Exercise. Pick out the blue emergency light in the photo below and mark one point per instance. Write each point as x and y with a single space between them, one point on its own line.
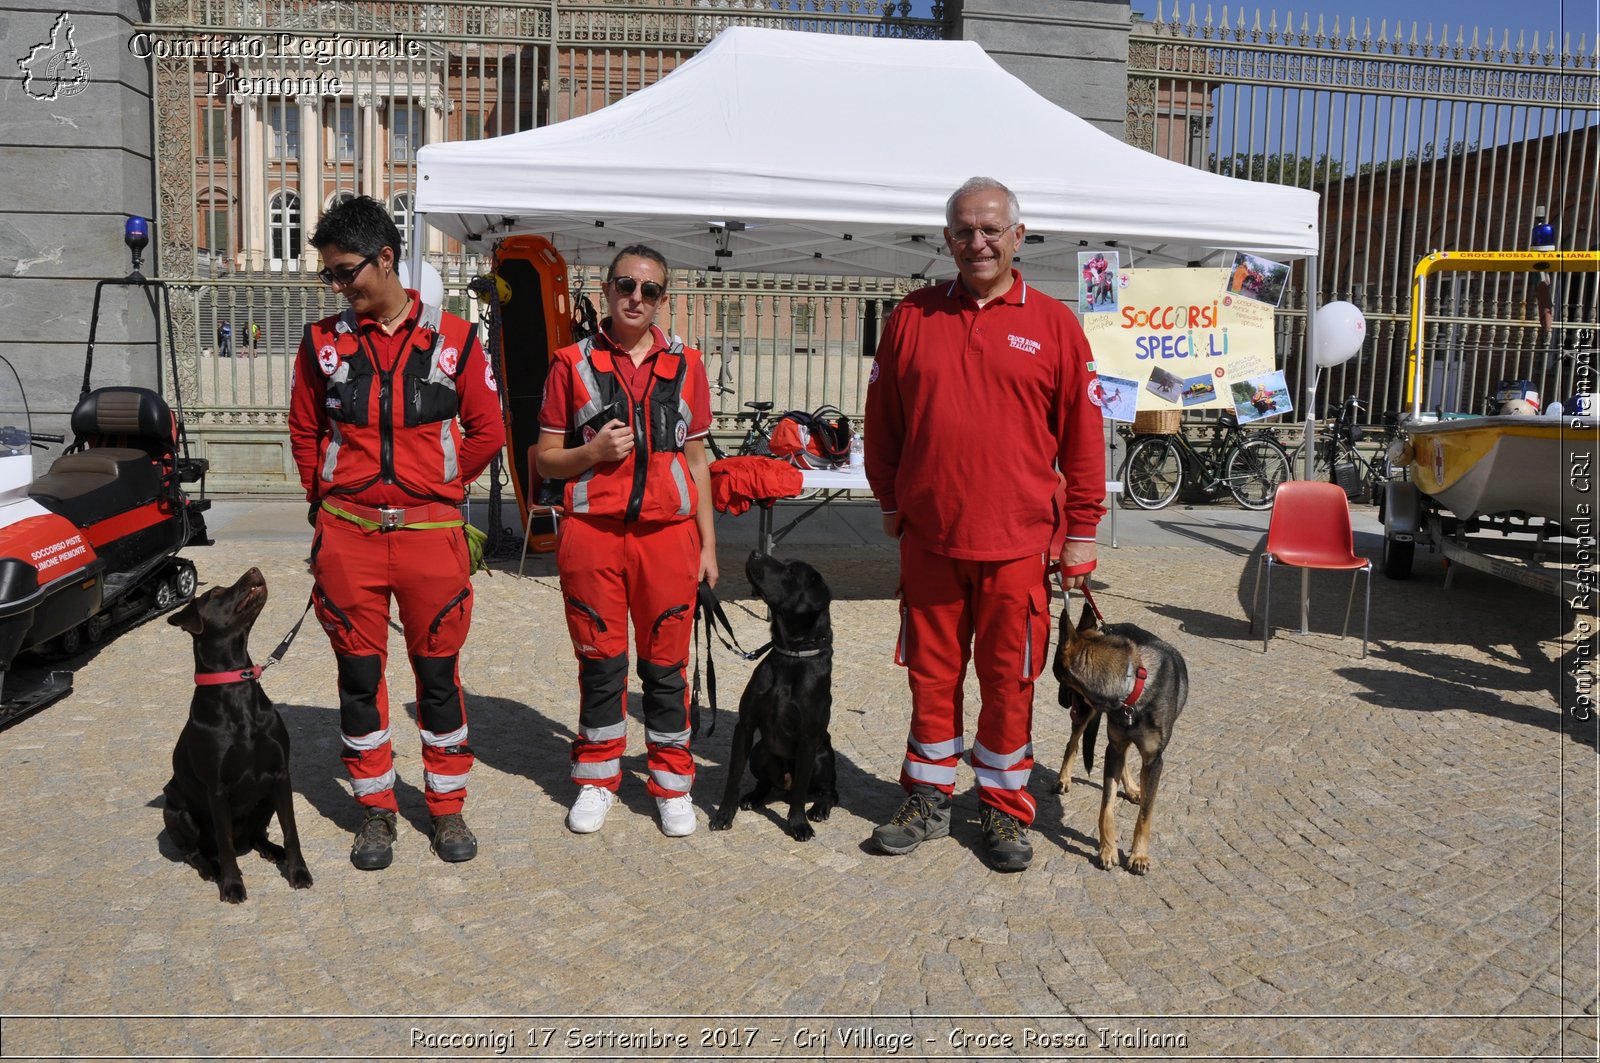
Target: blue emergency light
1544 234
136 234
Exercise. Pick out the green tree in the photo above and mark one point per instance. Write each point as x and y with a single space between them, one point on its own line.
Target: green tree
1279 168
1429 152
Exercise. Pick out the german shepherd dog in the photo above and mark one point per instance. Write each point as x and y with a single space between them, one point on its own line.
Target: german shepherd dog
787 702
1139 683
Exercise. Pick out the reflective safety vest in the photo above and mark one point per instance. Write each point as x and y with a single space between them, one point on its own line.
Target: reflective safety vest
652 483
387 430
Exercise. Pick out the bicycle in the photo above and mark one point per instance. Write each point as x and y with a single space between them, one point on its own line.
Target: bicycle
1338 460
1250 465
756 441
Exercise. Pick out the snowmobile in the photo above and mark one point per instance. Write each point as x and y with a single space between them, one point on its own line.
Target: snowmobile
90 548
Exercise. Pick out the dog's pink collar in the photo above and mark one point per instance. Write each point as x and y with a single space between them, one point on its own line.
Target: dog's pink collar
239 675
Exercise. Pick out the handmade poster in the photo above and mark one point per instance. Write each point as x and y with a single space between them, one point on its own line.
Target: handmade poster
1116 397
1257 278
1263 396
1172 327
1097 288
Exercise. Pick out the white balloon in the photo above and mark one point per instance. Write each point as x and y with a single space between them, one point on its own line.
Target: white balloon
1340 329
432 287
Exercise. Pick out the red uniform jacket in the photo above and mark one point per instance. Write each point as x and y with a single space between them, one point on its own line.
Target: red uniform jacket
392 420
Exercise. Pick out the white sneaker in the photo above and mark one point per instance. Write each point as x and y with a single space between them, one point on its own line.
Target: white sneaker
588 812
677 816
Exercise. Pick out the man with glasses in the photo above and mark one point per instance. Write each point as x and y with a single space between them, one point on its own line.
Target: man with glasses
393 412
983 447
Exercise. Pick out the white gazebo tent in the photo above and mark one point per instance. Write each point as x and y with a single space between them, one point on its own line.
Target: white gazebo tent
774 150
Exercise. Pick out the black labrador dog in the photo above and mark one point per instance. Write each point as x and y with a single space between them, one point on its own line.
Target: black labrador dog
230 768
788 701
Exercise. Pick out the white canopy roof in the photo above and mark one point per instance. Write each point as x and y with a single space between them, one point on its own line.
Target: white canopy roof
814 153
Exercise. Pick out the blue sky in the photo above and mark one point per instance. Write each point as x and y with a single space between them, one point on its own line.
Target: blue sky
1546 16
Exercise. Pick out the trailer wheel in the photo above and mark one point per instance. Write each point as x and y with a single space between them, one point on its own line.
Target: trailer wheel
184 581
69 642
1397 557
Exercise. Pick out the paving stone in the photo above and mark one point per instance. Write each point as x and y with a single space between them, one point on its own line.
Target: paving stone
1336 836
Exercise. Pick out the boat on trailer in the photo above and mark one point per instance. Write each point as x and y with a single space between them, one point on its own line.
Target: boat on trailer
1530 482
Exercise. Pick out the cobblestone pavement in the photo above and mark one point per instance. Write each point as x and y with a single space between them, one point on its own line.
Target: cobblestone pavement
1388 857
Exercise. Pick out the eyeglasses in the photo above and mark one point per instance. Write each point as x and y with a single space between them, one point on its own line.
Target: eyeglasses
649 289
344 275
970 236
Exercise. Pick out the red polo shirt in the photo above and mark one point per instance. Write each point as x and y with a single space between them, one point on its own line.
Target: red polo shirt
971 410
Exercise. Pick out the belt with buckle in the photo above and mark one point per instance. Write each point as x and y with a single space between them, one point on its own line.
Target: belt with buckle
395 518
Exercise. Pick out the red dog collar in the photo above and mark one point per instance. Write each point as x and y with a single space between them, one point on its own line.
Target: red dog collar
213 679
1136 685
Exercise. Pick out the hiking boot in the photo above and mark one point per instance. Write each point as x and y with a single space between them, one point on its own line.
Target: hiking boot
677 816
1005 840
452 840
374 845
588 812
924 814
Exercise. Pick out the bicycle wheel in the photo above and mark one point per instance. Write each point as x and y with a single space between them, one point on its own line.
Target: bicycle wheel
1153 472
1254 470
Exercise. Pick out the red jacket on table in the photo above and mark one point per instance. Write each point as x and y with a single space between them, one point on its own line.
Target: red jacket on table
667 397
971 410
374 418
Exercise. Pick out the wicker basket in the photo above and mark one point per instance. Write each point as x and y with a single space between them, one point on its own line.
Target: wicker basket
1157 422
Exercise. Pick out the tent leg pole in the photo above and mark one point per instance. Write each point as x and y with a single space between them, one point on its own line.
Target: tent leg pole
419 231
1308 454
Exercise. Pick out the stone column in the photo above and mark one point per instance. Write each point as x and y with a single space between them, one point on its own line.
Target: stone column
438 108
254 198
310 169
367 105
1072 52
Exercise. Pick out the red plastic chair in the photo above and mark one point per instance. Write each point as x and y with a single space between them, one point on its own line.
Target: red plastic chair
1311 529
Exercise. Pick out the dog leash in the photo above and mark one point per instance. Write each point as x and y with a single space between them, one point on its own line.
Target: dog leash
249 672
1084 569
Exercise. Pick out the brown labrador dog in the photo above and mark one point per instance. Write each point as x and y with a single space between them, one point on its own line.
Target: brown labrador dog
1139 684
230 768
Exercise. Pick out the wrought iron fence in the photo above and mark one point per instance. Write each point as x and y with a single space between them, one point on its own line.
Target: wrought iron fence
1417 139
268 111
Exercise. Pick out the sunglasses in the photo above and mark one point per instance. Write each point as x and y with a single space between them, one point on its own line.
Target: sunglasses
344 275
649 289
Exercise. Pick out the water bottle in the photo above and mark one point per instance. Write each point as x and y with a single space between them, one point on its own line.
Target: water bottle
857 453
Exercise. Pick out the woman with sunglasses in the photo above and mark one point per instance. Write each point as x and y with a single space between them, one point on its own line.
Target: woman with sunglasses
623 423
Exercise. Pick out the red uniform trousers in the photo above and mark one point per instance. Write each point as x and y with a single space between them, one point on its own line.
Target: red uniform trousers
356 570
997 614
611 572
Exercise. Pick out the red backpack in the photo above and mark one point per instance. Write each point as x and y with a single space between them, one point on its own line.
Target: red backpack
816 440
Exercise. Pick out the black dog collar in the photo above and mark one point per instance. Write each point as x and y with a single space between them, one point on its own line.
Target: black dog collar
813 652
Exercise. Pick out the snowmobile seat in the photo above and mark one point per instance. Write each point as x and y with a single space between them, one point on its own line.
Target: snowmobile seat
119 460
